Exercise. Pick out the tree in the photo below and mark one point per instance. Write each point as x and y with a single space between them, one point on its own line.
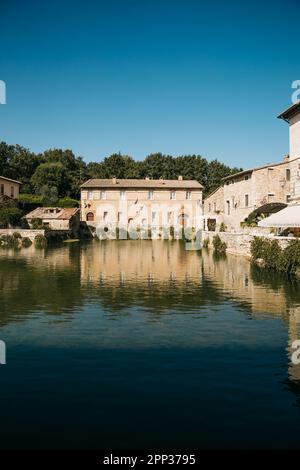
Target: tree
50 175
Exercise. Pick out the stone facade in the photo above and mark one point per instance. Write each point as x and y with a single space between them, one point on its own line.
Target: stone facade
141 203
25 233
56 218
239 242
9 187
243 192
292 117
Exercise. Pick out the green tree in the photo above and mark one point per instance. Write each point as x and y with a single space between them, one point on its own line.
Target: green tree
50 175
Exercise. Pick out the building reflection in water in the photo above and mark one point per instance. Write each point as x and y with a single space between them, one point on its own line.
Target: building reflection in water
158 276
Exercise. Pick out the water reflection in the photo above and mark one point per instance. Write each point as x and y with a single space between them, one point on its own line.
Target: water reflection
154 296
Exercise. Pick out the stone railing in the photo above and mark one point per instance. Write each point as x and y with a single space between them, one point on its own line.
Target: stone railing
23 232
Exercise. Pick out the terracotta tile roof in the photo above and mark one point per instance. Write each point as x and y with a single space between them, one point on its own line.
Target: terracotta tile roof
142 183
9 179
52 213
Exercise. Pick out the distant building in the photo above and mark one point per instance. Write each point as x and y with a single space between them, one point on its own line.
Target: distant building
9 188
56 218
142 202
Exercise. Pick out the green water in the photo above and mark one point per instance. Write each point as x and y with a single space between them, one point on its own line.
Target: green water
144 344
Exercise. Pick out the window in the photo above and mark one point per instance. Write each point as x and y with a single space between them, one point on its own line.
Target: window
2 190
173 195
150 195
209 207
288 198
119 216
122 195
188 195
90 195
246 200
102 194
215 207
228 207
288 174
12 192
153 217
90 217
169 217
105 214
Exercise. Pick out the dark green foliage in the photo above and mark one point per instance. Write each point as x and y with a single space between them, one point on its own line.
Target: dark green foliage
223 227
10 216
219 245
58 173
26 242
68 202
274 257
37 224
40 241
9 241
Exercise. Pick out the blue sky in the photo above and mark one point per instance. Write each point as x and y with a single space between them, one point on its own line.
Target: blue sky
144 76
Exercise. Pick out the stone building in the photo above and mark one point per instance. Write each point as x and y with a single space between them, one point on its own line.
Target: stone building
56 218
292 117
243 192
264 188
9 187
141 203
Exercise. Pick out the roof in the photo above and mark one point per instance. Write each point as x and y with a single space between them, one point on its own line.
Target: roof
213 192
142 183
288 217
10 180
250 170
290 112
58 213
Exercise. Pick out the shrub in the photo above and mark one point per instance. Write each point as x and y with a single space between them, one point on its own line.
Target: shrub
287 260
17 235
219 245
205 243
26 242
37 224
291 257
9 241
40 241
223 227
10 216
68 202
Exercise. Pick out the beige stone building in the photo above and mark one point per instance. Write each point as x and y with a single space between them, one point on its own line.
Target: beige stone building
256 188
141 203
9 187
56 218
292 117
243 192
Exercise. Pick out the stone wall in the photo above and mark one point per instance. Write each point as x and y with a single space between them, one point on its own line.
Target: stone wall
239 242
23 232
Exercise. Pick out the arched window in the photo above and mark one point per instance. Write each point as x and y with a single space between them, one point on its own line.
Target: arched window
90 217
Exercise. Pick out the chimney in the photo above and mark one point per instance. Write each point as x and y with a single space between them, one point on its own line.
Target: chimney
286 158
180 178
114 180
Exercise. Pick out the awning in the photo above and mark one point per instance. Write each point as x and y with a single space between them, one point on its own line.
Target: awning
288 217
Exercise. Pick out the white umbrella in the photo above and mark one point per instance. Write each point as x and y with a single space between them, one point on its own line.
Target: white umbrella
288 217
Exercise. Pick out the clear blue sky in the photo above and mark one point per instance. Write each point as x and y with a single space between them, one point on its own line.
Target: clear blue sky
140 76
